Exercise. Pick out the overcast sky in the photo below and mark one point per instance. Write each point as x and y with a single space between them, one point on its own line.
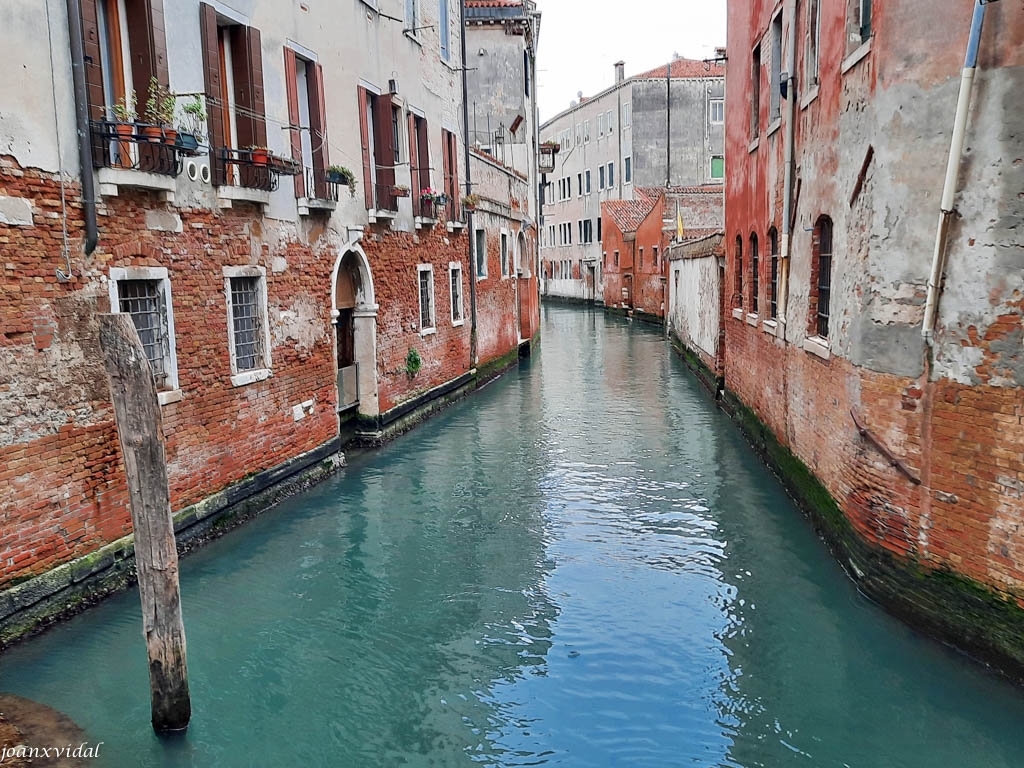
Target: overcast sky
580 40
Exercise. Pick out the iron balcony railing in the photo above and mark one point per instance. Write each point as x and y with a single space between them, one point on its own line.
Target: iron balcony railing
256 168
319 184
138 147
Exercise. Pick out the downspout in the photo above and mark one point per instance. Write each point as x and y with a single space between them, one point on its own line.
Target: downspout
668 126
788 163
952 171
469 189
82 125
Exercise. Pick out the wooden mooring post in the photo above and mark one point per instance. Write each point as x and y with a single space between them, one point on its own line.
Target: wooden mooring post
140 430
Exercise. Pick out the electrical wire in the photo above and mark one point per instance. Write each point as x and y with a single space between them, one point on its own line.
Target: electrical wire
61 274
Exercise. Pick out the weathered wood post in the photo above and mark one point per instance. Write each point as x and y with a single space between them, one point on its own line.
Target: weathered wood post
140 430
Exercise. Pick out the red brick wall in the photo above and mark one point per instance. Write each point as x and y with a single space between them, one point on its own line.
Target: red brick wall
393 258
497 333
648 292
62 488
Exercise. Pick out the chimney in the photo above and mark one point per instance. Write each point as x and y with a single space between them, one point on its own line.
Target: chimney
620 71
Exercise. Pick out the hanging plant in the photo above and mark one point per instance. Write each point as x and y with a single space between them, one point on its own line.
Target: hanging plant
413 362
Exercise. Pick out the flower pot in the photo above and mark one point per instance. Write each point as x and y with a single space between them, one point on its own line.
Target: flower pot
125 132
334 177
399 192
260 156
170 136
187 141
154 134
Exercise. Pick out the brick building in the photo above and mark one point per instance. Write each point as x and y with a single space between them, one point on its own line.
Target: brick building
912 422
633 274
277 205
660 128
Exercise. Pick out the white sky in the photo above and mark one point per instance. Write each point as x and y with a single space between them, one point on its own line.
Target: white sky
580 40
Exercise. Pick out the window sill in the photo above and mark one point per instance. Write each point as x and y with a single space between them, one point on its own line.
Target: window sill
379 214
752 319
250 377
309 204
738 313
427 331
851 61
818 346
455 226
168 397
774 125
811 95
228 195
771 327
110 181
481 278
425 221
754 143
457 323
413 37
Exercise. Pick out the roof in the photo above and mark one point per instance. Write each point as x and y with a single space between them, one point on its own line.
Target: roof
702 189
628 215
494 3
684 68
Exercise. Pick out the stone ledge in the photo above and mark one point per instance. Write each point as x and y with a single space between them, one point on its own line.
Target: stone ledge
110 181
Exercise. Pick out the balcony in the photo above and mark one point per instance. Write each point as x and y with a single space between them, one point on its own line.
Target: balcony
138 156
385 197
250 175
321 191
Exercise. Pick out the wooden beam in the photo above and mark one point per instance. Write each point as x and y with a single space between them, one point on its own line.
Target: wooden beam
140 431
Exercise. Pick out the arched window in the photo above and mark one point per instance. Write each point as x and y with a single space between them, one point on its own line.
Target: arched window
821 277
755 269
738 287
773 243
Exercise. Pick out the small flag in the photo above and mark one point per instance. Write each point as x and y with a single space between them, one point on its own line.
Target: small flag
679 226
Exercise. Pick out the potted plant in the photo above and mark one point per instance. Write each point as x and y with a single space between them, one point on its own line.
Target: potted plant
260 155
190 127
339 174
431 201
470 201
124 126
160 108
399 190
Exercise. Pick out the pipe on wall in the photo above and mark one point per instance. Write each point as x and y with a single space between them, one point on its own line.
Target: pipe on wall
82 125
469 189
788 162
952 171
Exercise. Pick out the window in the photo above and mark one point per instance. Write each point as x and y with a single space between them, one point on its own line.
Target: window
586 132
775 84
411 15
248 333
446 32
600 177
504 254
864 20
755 92
616 258
609 122
657 257
526 73
627 115
450 167
717 167
579 184
716 111
600 125
812 40
821 277
419 166
579 134
568 187
773 244
628 170
611 175
586 175
145 294
425 275
737 296
396 134
377 126
579 227
481 254
307 123
755 270
641 257
599 229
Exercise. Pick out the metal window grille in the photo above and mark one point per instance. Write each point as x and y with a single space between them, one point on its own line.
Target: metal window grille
456 275
143 300
246 322
426 300
773 238
824 276
755 268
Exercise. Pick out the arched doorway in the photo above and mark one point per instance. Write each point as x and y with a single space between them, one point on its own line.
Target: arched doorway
354 314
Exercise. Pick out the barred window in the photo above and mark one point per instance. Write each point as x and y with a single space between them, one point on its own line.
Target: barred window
455 274
824 274
773 242
738 290
755 269
143 300
426 285
246 322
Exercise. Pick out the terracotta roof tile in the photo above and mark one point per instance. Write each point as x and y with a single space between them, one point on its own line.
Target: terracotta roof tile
684 68
493 3
628 215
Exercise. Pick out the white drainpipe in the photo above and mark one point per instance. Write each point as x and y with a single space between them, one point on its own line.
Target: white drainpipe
952 171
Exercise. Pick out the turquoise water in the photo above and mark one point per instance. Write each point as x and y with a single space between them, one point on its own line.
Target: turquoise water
583 564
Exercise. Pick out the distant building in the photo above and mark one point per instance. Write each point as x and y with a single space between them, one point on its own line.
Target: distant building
662 128
902 394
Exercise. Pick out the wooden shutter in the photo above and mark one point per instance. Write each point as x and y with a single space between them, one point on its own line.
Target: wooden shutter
318 128
383 144
423 152
148 44
364 133
294 134
446 165
250 122
453 152
93 76
212 86
414 162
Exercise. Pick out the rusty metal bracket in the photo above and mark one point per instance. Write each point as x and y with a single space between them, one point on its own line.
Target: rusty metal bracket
894 460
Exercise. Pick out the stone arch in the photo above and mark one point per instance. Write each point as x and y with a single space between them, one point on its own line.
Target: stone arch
522 255
354 317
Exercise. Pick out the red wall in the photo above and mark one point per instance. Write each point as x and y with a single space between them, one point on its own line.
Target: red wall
648 293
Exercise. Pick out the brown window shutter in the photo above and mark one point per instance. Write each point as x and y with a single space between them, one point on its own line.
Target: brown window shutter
414 163
383 147
423 153
148 43
453 160
318 129
212 87
250 121
446 168
364 133
93 76
259 107
294 135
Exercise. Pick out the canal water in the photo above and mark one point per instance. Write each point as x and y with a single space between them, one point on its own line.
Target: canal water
584 564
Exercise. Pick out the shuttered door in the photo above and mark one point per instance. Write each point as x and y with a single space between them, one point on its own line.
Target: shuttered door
414 164
212 85
423 153
318 128
294 134
364 133
383 144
